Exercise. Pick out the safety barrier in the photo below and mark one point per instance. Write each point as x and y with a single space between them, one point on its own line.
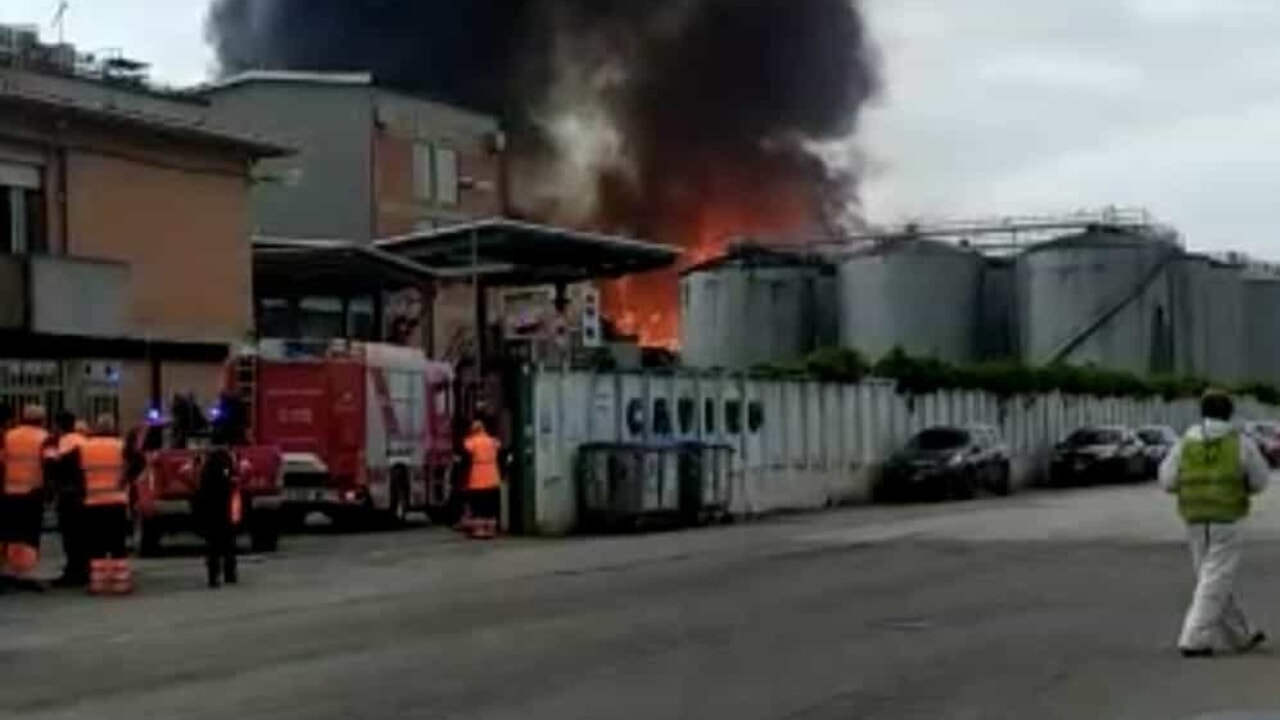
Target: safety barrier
796 445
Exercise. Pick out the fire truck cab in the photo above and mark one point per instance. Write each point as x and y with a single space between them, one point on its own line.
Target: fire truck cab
365 429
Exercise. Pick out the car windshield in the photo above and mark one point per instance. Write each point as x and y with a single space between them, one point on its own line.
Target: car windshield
939 439
1154 436
1094 436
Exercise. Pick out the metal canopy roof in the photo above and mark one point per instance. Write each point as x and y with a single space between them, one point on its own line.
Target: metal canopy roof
341 267
535 254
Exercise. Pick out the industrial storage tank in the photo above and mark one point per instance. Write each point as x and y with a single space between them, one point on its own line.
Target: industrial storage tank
1262 326
1101 297
998 310
920 295
755 306
1210 311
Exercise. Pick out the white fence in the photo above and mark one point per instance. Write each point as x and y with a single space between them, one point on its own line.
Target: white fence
798 445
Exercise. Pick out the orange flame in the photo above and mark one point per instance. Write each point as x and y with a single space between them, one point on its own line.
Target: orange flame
647 306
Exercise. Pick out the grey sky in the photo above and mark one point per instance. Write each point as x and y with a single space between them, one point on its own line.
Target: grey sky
993 107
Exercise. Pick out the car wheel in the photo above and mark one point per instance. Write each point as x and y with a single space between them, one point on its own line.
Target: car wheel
965 485
1004 480
264 531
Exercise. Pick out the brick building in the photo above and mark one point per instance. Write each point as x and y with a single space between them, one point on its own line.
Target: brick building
125 251
370 163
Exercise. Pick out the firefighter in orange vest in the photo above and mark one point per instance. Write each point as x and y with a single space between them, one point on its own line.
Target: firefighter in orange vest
106 509
26 451
483 481
68 482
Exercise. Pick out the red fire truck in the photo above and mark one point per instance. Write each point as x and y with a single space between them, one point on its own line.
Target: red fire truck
366 430
168 478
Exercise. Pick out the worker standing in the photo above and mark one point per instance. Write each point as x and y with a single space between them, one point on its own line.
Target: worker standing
106 509
218 510
26 450
68 481
483 482
1213 471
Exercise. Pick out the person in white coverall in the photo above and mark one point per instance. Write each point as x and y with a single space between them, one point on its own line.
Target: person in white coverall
1213 471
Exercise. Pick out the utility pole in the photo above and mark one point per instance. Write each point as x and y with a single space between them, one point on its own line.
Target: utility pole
60 20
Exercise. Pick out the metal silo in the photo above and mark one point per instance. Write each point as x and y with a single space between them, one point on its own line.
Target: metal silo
1103 297
1262 326
920 295
755 306
998 310
1211 320
1224 313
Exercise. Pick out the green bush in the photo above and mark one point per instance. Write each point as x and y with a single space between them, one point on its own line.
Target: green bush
1262 392
921 376
827 365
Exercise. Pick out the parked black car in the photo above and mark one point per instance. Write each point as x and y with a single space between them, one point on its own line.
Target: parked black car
1094 455
947 463
1157 441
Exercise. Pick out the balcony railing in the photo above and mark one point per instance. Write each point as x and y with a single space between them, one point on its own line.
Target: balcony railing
64 296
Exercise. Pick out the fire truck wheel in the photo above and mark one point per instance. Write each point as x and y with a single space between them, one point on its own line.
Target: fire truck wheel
264 531
146 537
292 521
441 515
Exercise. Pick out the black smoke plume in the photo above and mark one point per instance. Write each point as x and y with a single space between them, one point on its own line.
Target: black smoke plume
703 96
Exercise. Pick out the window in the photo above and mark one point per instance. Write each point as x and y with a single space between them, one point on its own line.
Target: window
435 174
360 316
446 177
939 439
423 175
709 416
321 318
22 212
276 318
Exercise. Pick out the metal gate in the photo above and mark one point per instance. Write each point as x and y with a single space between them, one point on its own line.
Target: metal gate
88 388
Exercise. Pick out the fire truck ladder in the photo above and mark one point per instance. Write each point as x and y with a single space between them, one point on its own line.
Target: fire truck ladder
247 384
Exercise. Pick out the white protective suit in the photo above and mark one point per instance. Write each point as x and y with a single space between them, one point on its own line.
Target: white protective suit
1216 619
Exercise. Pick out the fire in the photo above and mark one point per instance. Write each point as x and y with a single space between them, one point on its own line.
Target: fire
647 306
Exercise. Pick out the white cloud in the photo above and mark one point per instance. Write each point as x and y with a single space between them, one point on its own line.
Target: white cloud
1030 106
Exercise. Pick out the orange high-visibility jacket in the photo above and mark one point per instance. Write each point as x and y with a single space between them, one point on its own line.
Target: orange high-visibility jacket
24 454
69 443
484 461
102 460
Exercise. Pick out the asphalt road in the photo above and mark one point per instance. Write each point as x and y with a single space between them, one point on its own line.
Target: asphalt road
1061 605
